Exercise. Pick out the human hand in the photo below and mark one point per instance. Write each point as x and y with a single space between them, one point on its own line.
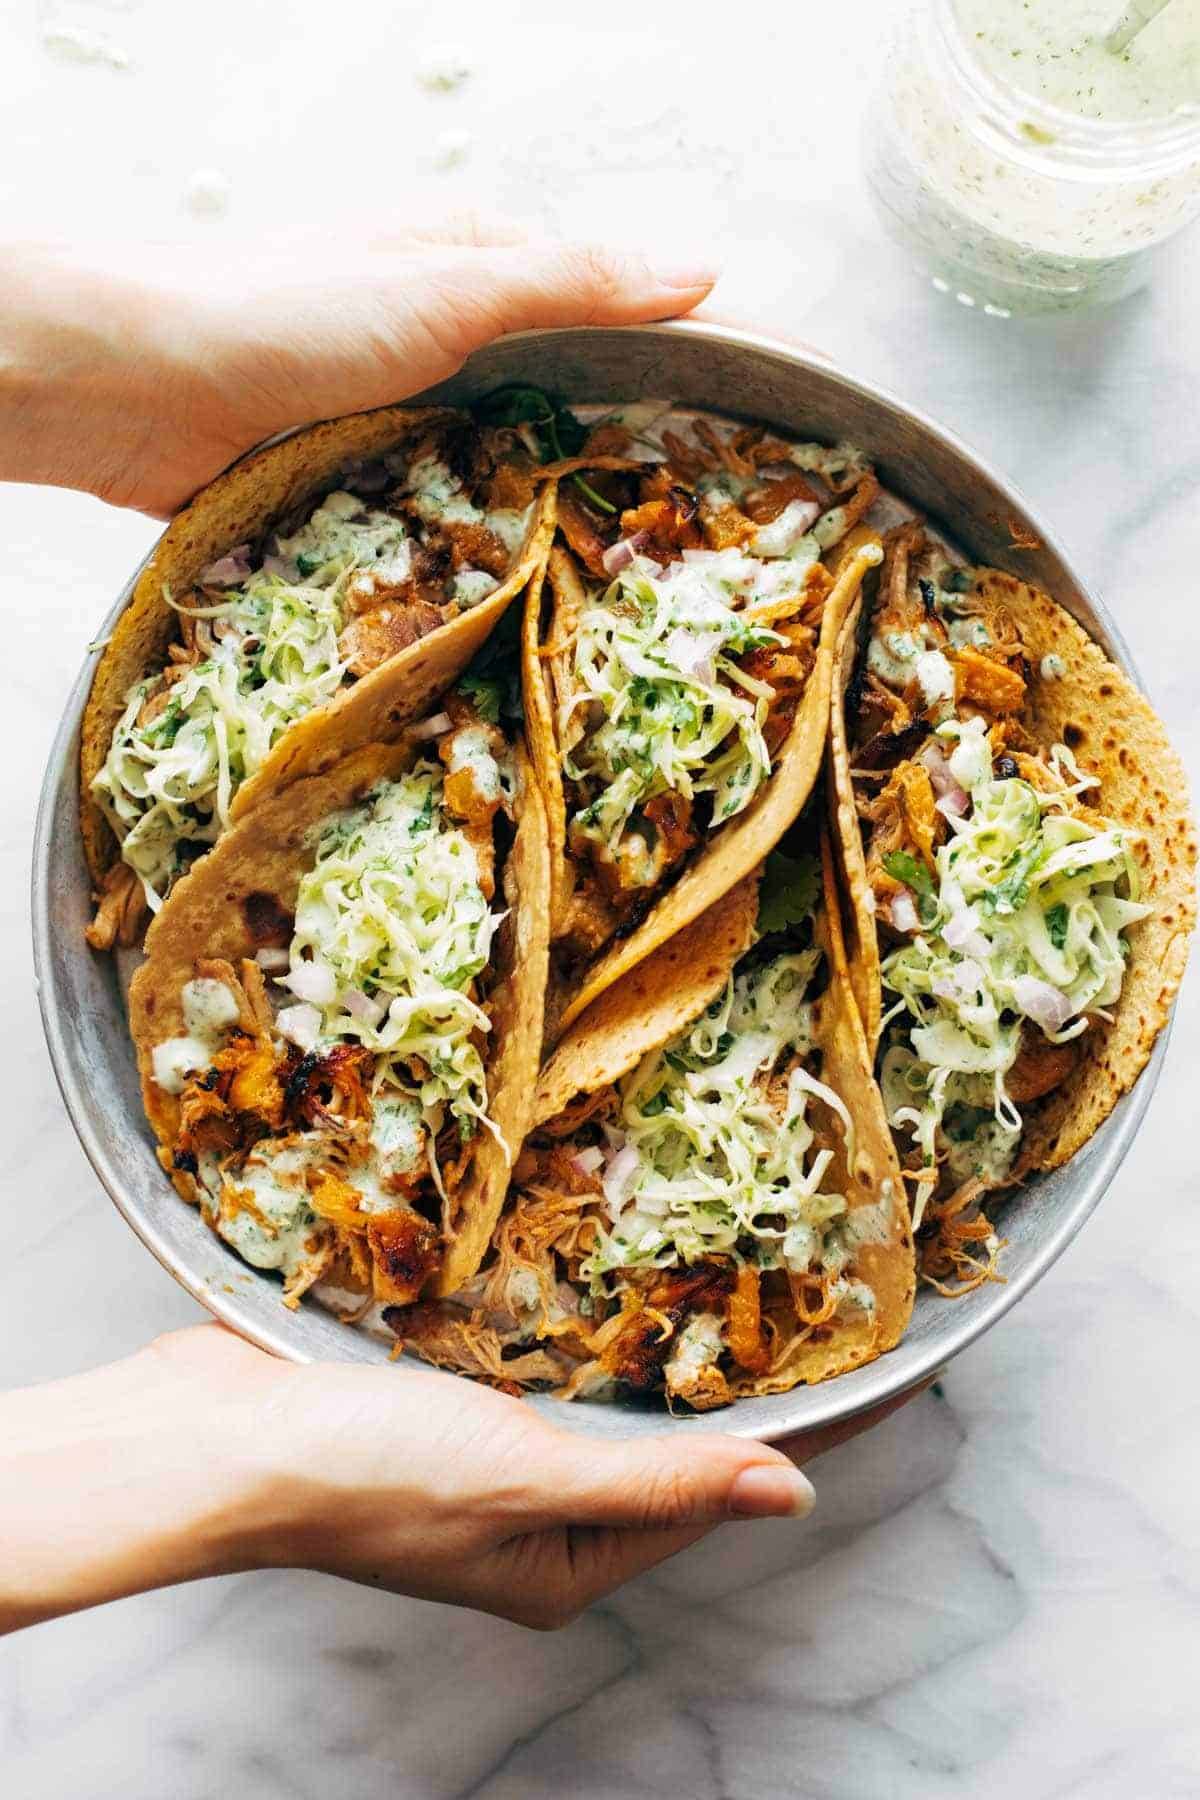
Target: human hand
140 384
430 1485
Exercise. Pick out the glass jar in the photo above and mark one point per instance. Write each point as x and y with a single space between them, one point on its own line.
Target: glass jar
1015 203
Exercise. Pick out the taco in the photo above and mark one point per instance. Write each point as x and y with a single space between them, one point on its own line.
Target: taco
280 617
716 1210
678 660
1018 855
340 1013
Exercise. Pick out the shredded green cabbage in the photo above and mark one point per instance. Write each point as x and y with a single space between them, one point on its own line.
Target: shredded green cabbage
392 928
653 662
167 784
705 1167
169 781
1035 897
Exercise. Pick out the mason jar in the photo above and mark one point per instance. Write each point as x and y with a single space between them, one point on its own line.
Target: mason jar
1034 179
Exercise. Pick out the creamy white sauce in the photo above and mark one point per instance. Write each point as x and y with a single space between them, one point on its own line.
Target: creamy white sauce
344 528
510 526
209 1009
470 748
1056 52
399 1135
935 677
473 585
173 1061
697 1347
436 494
275 1178
783 534
892 655
968 630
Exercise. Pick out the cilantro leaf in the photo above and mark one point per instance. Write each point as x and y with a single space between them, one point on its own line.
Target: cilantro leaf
789 891
485 695
559 432
492 679
902 866
1056 924
1010 895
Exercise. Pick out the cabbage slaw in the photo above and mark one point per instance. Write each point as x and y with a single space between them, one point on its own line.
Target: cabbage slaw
170 779
392 927
653 661
1022 930
700 1162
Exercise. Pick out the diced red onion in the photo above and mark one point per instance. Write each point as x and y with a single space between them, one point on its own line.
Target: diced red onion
618 556
430 728
313 981
903 912
619 1178
361 1006
282 566
299 1025
1047 1006
952 798
589 1160
272 961
961 933
228 570
692 654
963 980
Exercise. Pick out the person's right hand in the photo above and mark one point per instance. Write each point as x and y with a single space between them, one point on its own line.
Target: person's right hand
431 1485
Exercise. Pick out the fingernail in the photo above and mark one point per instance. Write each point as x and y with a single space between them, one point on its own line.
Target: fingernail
687 273
769 1491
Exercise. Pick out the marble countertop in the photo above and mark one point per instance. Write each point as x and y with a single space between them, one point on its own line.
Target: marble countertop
1000 1590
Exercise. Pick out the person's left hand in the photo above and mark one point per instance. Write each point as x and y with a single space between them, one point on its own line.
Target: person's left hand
141 386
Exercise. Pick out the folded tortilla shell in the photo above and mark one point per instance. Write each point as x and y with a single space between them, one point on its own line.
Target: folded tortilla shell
1097 712
862 939
240 505
670 989
866 1172
652 1004
738 847
244 894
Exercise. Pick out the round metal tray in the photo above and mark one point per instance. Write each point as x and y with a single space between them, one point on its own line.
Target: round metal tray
693 364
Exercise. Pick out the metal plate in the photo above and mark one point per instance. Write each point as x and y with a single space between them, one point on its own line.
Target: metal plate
699 365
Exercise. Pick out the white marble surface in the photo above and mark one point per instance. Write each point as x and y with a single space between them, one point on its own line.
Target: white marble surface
1000 1592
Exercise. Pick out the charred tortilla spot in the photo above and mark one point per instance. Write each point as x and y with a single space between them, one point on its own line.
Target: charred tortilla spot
1073 736
299 1080
267 922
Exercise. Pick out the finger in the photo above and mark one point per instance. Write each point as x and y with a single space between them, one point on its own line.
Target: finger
465 299
665 1483
809 1444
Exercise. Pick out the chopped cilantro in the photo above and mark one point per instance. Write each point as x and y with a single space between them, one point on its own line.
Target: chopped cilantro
484 695
902 866
1056 924
789 890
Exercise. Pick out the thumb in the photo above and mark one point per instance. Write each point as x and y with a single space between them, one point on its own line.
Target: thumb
665 1482
455 299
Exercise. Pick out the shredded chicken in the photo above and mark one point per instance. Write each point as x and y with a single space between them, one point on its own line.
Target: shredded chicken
120 909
